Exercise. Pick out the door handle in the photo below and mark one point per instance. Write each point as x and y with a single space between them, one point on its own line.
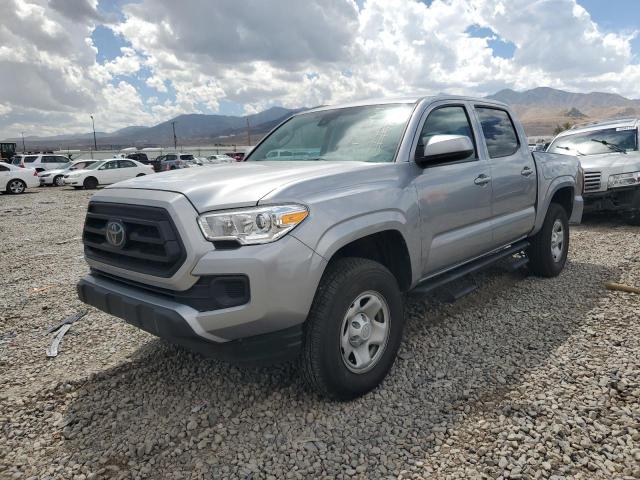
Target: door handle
482 179
526 171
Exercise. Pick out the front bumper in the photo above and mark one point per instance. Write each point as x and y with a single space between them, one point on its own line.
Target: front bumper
622 200
173 322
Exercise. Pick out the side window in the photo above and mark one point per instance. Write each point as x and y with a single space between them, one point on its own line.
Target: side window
499 132
3 168
110 165
48 159
451 120
126 164
171 157
61 159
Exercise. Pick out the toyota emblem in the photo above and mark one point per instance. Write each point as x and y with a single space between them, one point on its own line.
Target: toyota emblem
116 236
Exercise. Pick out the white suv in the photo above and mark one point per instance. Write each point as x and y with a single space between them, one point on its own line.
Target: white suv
45 161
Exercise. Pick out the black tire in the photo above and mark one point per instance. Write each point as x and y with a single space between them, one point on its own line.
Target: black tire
77 188
16 186
541 258
58 181
323 366
90 183
633 218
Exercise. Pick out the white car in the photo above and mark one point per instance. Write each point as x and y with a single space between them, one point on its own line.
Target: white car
106 172
218 159
15 179
56 177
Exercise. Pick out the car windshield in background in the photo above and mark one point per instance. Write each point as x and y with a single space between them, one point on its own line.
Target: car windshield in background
366 134
93 166
596 142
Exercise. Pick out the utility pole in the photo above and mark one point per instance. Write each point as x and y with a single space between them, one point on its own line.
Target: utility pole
95 143
248 133
175 140
24 150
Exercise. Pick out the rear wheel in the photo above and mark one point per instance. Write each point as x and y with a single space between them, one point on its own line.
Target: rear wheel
354 329
90 183
16 186
58 181
549 247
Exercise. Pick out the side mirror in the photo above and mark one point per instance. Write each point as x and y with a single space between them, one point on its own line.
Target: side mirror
445 148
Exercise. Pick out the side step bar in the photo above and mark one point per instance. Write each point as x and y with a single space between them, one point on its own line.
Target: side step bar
430 284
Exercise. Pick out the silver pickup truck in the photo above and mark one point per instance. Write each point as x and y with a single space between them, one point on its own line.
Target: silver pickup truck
310 256
609 154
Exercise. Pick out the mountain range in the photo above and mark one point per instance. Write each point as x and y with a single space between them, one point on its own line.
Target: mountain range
541 110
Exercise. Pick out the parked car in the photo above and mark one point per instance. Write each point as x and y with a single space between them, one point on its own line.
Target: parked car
41 162
609 155
237 156
174 161
106 172
56 177
140 157
17 159
268 260
15 179
219 159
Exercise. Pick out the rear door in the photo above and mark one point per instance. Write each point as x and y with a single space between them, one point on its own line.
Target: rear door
454 197
4 177
513 175
126 170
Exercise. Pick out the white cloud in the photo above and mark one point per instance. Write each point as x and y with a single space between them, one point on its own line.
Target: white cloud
197 54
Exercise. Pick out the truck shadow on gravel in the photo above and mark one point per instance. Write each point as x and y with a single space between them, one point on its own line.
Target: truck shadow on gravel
170 410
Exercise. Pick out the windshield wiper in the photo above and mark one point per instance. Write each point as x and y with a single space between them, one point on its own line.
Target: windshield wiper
570 149
612 146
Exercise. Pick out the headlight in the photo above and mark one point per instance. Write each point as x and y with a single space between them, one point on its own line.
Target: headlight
624 180
251 226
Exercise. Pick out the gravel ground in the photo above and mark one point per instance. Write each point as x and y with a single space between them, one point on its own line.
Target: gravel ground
524 378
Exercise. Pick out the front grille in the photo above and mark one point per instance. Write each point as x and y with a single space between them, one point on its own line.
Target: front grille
152 244
212 292
592 181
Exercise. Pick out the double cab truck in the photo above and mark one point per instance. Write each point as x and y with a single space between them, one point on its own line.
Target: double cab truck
608 153
310 257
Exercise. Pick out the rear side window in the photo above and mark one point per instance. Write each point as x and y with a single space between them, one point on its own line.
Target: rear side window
499 132
171 157
30 159
186 157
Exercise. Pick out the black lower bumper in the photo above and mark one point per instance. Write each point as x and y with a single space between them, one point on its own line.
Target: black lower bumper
623 200
170 325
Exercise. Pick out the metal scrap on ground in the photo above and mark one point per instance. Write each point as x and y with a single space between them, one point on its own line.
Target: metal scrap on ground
622 288
52 350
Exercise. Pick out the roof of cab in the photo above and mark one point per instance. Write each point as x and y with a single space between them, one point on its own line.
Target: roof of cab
610 123
407 100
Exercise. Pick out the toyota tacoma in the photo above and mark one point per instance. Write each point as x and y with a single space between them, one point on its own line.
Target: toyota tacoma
310 256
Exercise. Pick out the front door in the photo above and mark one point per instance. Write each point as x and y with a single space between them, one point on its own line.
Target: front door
513 174
454 197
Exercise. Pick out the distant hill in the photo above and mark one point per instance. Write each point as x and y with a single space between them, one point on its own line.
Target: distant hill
542 109
192 129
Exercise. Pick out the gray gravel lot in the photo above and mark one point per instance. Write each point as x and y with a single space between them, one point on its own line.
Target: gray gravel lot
524 378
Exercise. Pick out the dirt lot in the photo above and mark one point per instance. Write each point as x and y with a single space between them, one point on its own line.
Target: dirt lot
524 378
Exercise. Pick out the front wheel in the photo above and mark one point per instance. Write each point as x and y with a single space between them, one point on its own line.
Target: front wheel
90 183
354 329
58 181
549 247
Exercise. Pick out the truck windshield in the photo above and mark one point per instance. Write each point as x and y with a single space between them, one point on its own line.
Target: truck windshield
596 142
365 134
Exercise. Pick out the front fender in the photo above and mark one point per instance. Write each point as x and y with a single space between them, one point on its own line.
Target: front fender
350 229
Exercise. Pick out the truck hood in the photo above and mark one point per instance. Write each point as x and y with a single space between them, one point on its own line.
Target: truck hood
239 184
616 162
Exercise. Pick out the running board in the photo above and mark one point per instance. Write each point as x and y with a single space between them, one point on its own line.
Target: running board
431 284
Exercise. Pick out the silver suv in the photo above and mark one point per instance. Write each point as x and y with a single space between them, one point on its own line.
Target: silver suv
311 256
609 155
